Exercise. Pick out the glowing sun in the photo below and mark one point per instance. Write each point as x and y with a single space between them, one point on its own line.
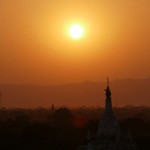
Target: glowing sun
76 31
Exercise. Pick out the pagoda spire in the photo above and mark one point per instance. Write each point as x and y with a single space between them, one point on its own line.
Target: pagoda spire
108 135
108 92
108 113
108 81
52 109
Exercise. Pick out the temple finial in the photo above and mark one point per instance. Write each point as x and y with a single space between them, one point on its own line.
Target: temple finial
107 81
108 92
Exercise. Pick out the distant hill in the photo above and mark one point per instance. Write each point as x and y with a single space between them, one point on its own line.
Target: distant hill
124 92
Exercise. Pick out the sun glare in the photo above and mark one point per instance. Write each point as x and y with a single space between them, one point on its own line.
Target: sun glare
76 31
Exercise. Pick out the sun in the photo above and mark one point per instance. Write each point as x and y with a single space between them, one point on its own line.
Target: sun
76 31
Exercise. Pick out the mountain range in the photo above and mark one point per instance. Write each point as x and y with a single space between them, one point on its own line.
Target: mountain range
124 92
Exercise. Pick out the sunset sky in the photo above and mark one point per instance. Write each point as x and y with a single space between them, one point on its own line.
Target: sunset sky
36 48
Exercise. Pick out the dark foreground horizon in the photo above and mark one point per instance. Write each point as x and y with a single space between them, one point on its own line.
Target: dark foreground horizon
61 128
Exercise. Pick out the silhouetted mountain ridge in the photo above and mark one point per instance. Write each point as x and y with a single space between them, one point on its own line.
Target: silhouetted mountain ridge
87 93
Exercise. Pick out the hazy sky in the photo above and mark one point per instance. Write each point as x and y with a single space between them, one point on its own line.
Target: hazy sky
35 47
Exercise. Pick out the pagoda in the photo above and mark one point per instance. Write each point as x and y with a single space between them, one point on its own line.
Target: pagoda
108 135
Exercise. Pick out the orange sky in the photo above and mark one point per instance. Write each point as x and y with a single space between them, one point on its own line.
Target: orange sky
35 47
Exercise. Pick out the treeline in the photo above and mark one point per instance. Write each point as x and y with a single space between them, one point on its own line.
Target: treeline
65 129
